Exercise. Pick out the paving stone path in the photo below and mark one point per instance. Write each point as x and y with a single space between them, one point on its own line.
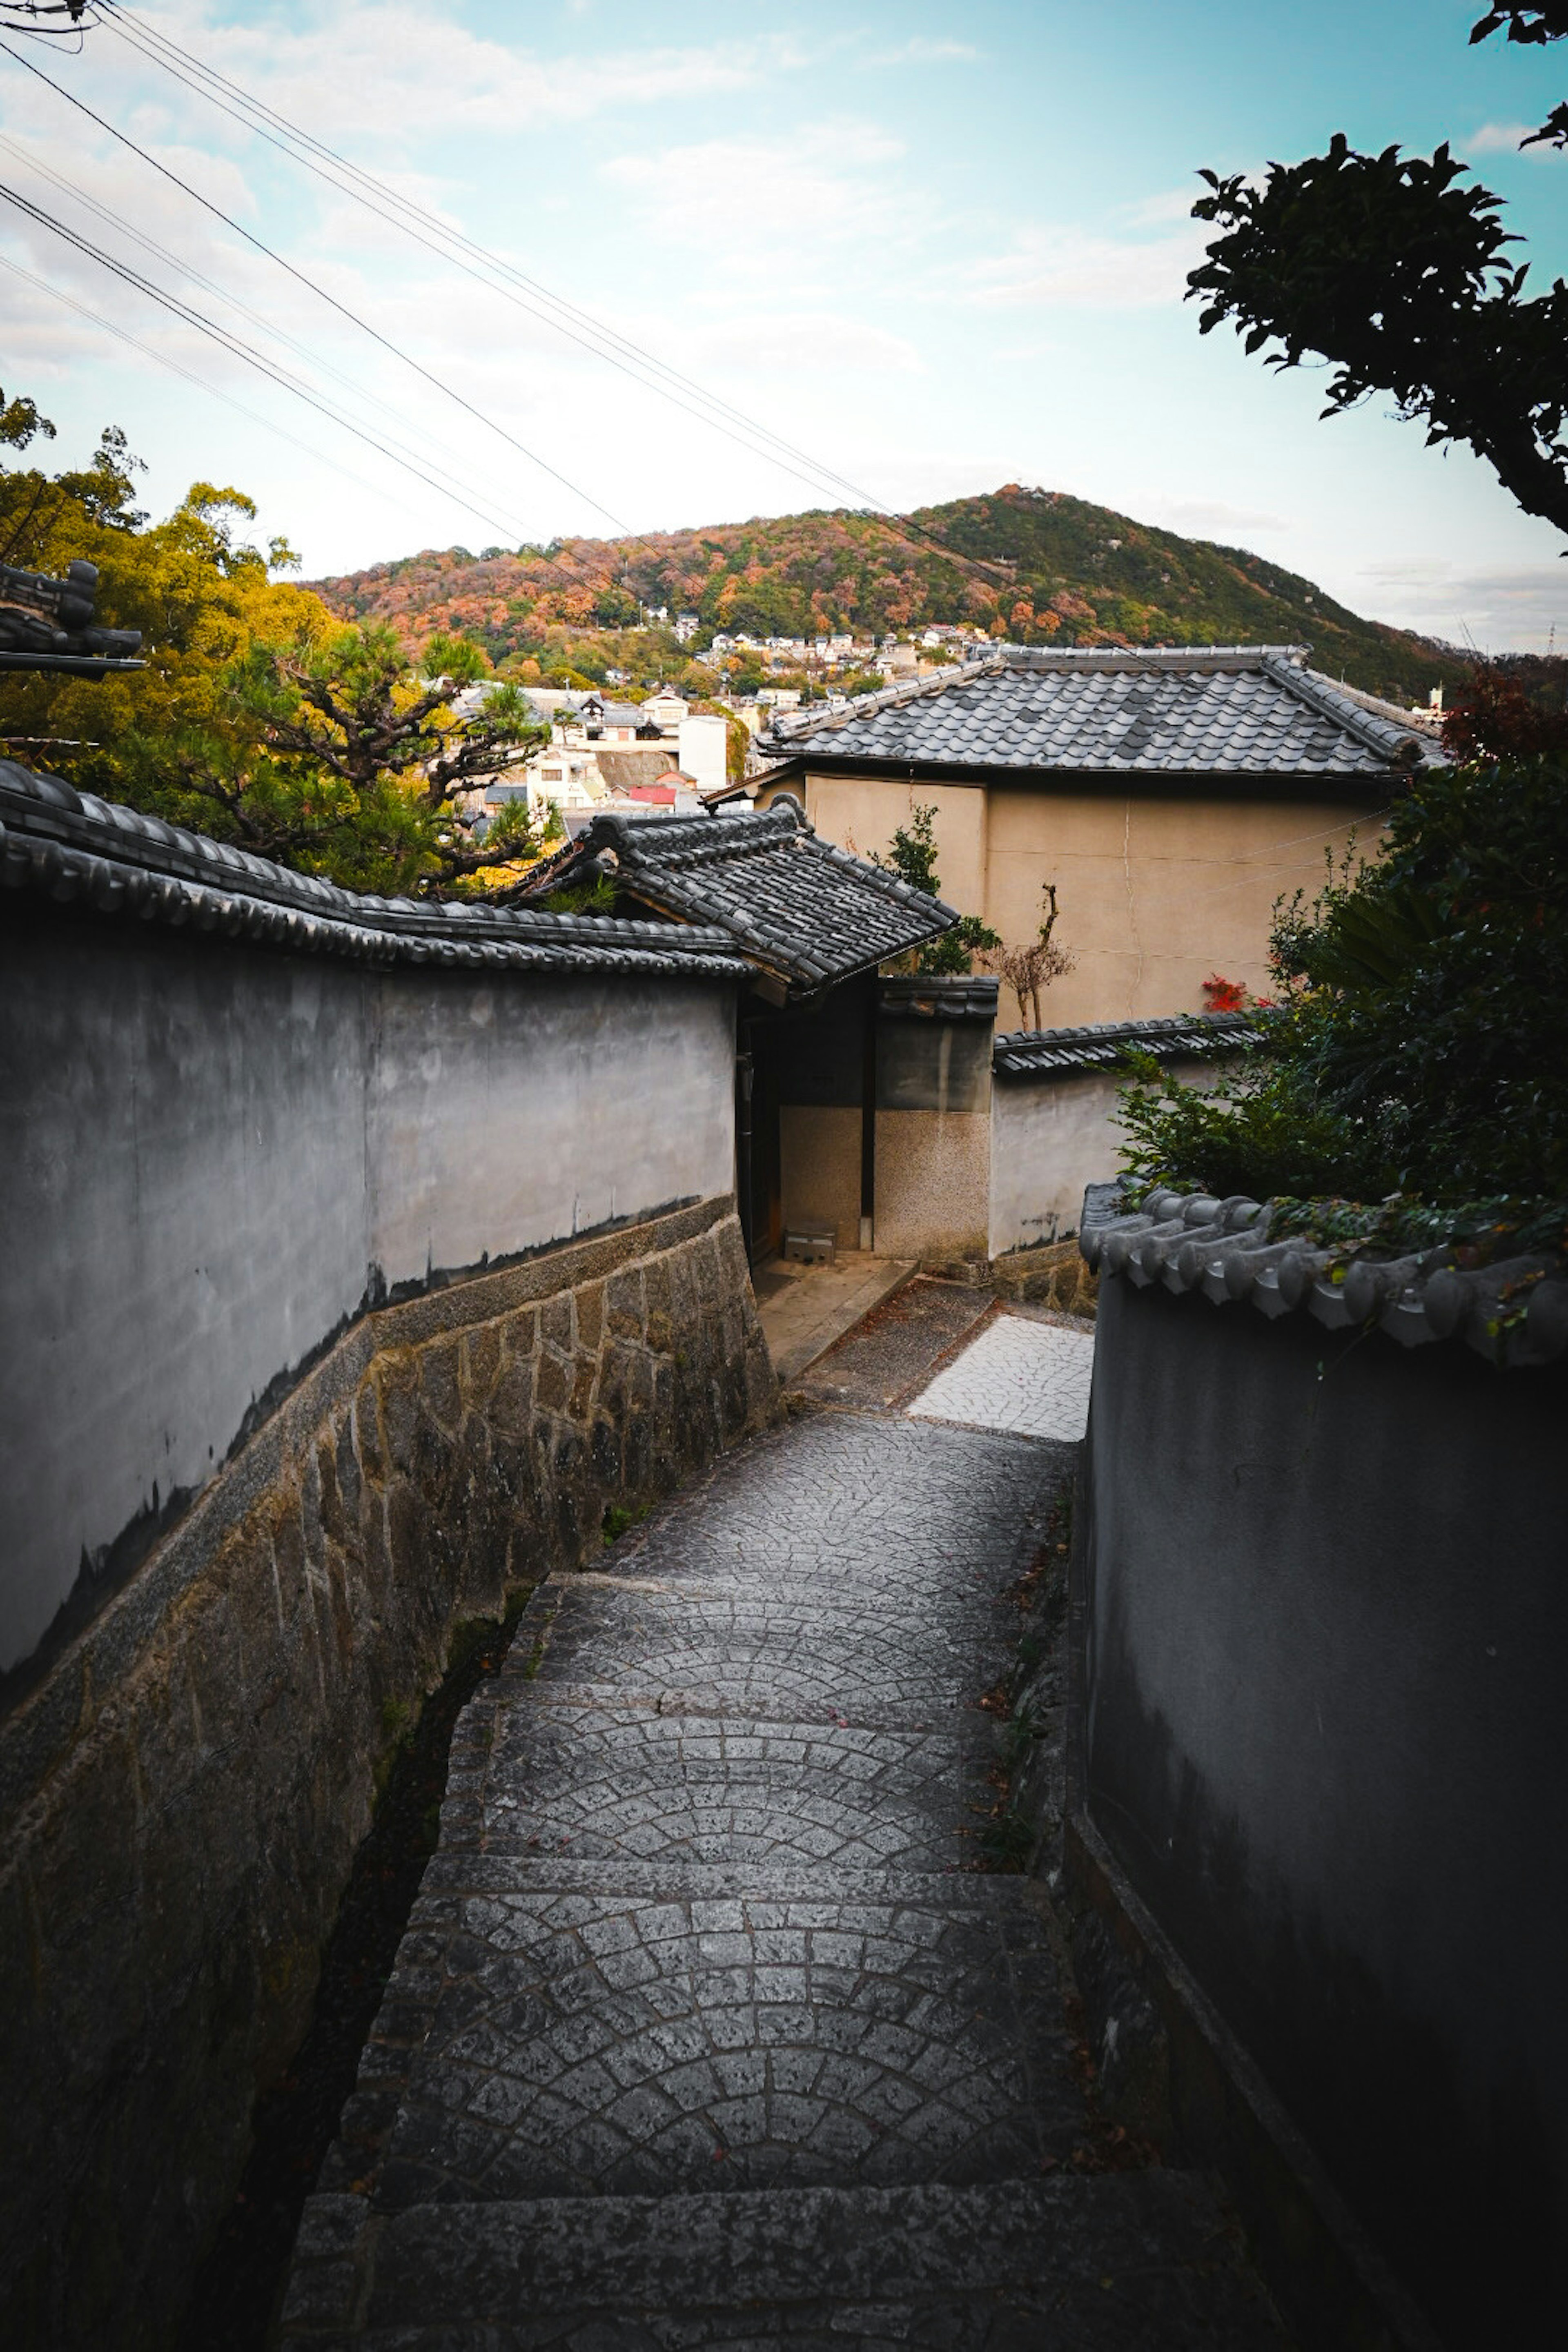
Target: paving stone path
705 2031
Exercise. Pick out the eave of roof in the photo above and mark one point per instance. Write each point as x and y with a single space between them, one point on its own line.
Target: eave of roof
72 847
1049 1053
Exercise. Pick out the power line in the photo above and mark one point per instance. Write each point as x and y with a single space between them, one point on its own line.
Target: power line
231 343
905 527
453 244
176 261
160 50
151 350
319 291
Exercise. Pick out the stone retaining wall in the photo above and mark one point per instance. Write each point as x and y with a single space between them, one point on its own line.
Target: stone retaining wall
181 1798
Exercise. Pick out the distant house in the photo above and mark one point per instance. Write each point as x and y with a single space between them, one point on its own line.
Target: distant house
664 708
1171 796
605 721
686 627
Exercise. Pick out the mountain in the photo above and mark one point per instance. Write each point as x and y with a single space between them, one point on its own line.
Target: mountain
1035 566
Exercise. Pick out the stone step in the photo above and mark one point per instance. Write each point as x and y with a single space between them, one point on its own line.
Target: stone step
556 2028
689 1648
635 1784
1137 2262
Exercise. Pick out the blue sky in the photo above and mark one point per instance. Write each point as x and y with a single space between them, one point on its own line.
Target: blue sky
937 248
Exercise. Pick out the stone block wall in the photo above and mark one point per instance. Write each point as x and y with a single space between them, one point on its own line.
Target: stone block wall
182 1795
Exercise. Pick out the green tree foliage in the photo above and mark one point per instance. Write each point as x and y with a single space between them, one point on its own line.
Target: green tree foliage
911 855
335 758
259 718
1421 1044
1404 281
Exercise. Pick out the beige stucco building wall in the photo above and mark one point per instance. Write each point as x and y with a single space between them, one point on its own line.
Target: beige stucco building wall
1157 889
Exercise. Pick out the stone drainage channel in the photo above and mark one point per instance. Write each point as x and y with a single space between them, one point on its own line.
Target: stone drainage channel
706 2030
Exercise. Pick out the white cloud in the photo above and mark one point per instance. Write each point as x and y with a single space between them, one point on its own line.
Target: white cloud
1494 608
1159 211
797 342
1507 138
390 68
921 51
1085 269
1204 518
831 186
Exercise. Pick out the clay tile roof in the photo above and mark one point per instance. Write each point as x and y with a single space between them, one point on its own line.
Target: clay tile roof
72 847
1226 1249
1061 1052
1190 710
796 905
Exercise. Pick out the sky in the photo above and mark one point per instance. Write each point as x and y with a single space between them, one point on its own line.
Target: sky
932 249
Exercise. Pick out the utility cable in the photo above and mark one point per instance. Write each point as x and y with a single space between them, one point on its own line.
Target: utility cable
319 291
232 343
161 50
150 41
177 262
175 367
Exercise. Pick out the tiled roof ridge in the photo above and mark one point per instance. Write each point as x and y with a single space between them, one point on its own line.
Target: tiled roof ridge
1046 1053
883 697
1192 1242
692 841
75 847
1427 724
1401 746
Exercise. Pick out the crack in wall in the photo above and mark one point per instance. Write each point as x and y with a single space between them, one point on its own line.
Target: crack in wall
1132 910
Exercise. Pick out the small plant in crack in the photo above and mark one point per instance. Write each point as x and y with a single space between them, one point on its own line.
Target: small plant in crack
1022 1728
1007 1840
618 1517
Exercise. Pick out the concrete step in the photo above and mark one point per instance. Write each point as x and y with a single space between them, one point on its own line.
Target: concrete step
1141 2262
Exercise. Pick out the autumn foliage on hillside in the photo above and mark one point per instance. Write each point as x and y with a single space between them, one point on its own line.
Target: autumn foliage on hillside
1034 567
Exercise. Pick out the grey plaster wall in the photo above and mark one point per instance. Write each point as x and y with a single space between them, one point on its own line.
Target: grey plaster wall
215 1154
1327 1615
1049 1140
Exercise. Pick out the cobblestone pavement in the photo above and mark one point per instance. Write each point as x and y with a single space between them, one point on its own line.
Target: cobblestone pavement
706 2033
1017 1374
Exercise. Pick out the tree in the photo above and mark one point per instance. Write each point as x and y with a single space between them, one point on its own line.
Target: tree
258 718
1029 970
341 760
911 855
1403 280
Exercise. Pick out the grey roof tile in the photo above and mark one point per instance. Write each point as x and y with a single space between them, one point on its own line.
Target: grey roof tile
74 847
1190 1242
1196 709
1061 1052
803 907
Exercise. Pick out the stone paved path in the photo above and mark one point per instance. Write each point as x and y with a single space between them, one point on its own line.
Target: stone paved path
1020 1375
705 2031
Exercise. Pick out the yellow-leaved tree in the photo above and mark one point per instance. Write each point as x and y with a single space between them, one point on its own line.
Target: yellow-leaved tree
259 718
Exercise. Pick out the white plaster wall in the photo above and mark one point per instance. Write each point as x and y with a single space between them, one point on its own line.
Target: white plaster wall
501 1118
213 1151
1048 1140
